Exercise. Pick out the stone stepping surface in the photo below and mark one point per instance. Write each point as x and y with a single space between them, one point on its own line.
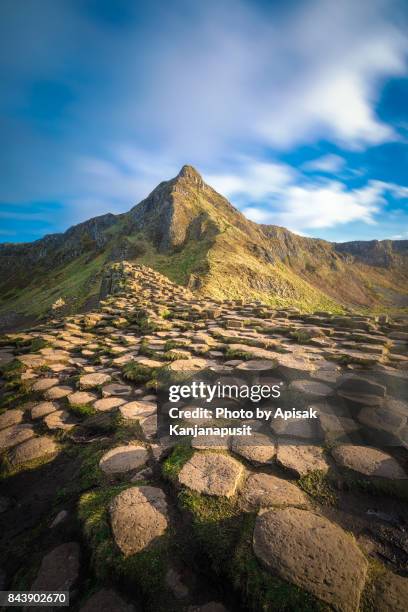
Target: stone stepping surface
259 449
60 419
82 397
311 552
123 459
265 490
300 458
57 392
11 417
108 403
90 381
211 474
370 462
16 434
59 569
139 515
34 448
44 384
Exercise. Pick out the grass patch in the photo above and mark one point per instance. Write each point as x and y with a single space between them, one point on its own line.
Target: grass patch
216 522
173 464
138 373
317 485
82 410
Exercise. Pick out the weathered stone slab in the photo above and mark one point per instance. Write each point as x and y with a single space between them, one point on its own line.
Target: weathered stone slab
299 457
45 383
11 417
257 448
58 392
138 516
123 459
264 490
11 436
368 461
82 397
90 381
311 552
59 570
211 474
108 403
35 448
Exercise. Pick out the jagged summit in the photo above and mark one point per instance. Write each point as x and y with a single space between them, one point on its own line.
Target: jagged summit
189 172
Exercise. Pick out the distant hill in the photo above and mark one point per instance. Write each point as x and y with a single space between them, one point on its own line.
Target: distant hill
193 235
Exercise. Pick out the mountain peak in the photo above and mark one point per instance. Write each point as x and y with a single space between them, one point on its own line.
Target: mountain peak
189 172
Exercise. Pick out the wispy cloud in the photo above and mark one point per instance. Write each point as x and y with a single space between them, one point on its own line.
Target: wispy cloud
330 164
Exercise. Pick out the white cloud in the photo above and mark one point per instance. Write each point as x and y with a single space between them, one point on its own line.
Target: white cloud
330 164
277 195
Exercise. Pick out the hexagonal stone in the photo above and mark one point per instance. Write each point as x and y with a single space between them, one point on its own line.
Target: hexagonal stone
11 417
59 570
311 552
298 428
81 397
60 419
377 417
310 389
257 365
390 593
43 409
108 403
35 448
264 490
117 389
11 436
300 458
194 364
292 367
368 461
361 390
138 517
138 410
257 448
106 600
90 381
32 361
45 383
211 474
58 392
123 459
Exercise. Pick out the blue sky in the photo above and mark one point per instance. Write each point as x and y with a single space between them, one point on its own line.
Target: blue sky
296 111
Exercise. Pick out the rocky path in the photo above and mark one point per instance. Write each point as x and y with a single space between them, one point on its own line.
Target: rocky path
313 516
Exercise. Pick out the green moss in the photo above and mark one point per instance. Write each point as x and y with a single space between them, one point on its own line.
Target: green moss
82 410
216 522
317 485
137 373
173 464
12 369
236 354
37 344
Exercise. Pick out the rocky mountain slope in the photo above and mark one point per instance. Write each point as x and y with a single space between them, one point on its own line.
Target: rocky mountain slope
187 231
